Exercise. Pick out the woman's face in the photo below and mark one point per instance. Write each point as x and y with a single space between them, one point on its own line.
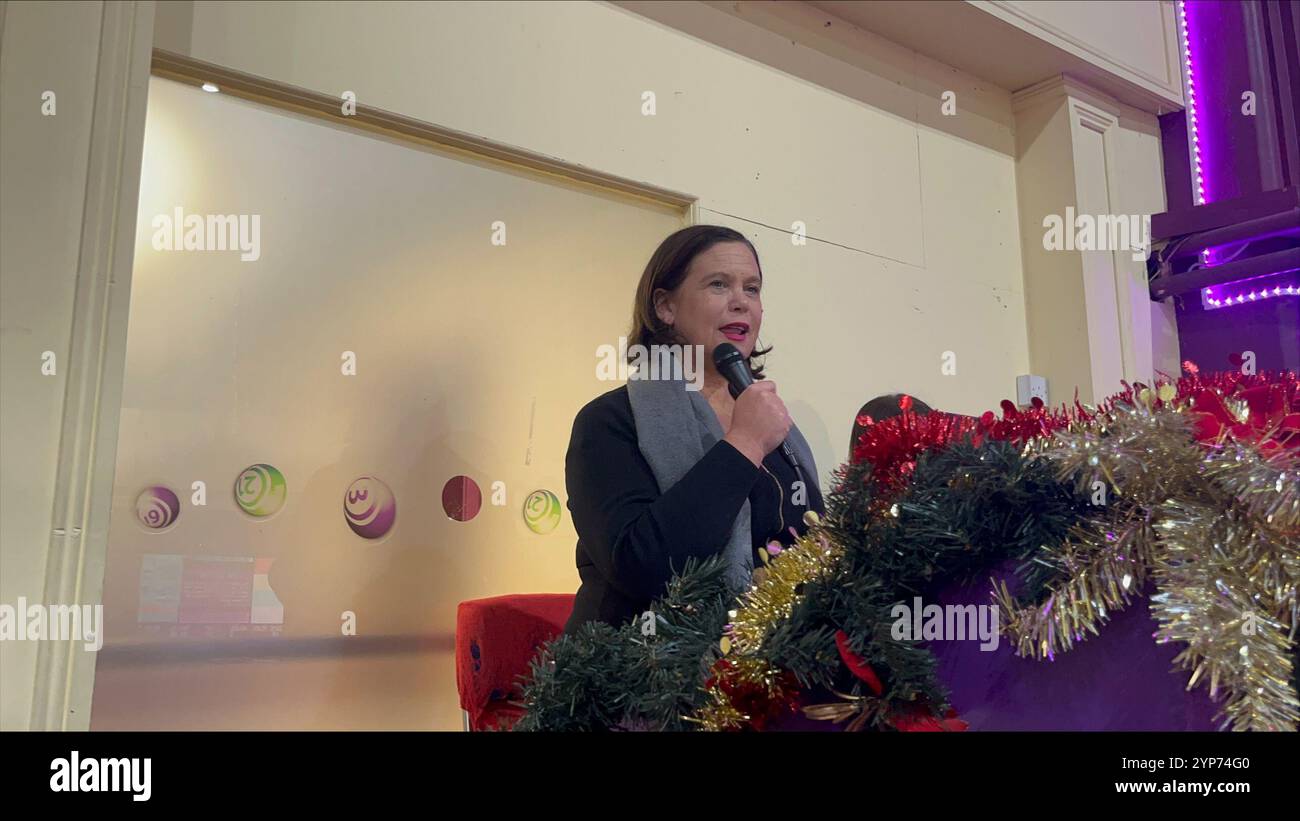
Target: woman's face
718 301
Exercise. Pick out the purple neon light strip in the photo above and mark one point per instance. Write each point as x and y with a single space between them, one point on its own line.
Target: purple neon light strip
1194 127
1241 292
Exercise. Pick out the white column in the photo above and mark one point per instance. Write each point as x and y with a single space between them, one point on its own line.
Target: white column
71 177
1081 153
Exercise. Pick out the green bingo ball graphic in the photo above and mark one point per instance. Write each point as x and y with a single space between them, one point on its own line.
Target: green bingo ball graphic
542 511
260 490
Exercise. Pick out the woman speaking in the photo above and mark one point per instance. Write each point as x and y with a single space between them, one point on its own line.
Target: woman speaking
657 473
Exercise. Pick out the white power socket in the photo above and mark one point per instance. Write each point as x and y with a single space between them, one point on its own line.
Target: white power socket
1029 386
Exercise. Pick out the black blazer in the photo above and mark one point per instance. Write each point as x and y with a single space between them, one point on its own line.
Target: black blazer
632 538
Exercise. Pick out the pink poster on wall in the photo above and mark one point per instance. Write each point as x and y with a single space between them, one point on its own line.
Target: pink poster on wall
208 596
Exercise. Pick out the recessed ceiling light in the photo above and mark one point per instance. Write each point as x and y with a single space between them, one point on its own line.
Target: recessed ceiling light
211 88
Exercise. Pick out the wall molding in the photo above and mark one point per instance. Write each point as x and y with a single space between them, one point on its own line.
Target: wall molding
190 71
1093 117
1062 86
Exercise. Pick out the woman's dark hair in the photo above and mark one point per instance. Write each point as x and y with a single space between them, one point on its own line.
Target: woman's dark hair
883 407
666 269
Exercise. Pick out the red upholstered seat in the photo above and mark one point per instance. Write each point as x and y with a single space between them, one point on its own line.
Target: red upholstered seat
495 640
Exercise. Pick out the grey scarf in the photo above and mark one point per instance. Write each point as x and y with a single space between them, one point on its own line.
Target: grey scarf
674 429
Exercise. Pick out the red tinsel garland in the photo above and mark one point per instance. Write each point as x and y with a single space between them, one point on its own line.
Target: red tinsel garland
893 445
757 702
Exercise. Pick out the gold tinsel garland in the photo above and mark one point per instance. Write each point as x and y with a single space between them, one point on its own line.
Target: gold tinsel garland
768 603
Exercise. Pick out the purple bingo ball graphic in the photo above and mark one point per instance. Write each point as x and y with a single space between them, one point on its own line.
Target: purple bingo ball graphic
369 507
157 507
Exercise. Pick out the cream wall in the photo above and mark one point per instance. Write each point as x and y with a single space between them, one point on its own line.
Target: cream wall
912 248
471 359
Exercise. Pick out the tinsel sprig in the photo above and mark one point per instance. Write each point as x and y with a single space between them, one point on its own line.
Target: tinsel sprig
1227 592
1267 487
1104 565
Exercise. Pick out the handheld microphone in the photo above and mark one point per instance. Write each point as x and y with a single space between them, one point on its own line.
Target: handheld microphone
733 367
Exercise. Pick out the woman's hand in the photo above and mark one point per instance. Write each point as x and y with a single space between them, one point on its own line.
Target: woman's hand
759 422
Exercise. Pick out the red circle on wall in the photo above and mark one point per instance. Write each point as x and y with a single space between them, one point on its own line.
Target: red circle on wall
461 498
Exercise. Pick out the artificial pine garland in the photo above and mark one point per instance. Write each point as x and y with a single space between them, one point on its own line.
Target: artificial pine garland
643 675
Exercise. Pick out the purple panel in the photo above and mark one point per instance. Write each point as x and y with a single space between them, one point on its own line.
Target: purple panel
1119 680
1270 328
